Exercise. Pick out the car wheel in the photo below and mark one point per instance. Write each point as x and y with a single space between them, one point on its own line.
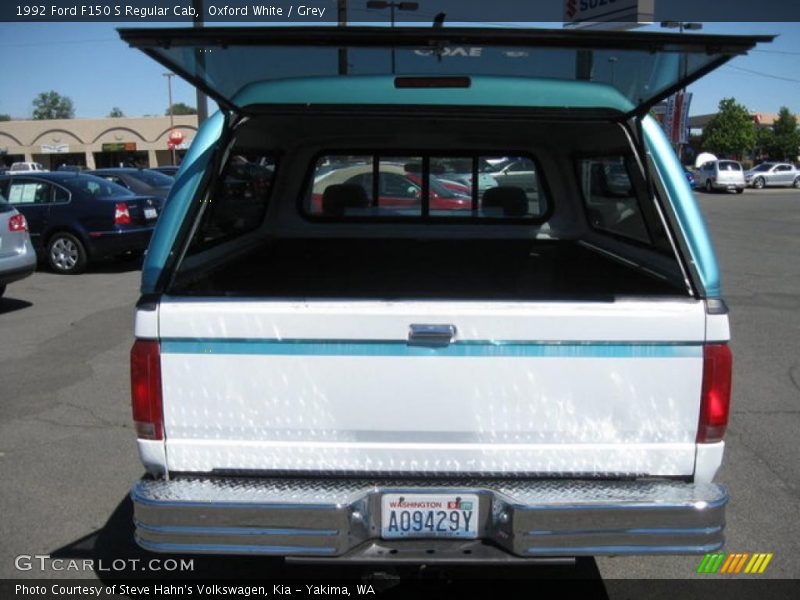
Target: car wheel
740 190
758 183
796 183
2 289
66 254
709 187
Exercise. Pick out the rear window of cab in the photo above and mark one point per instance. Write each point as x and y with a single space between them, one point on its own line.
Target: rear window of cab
417 185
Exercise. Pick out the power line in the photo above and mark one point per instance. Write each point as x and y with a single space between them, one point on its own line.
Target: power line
786 52
49 43
760 74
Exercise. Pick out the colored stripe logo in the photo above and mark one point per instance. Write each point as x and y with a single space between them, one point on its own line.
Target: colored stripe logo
734 563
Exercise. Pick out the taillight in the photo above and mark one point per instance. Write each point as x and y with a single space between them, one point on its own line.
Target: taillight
715 401
17 223
146 390
121 214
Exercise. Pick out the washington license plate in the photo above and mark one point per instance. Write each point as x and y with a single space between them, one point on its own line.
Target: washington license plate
429 516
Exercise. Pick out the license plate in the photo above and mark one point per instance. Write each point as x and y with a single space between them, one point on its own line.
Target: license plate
150 213
429 516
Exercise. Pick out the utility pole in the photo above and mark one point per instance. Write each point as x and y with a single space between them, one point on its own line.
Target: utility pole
381 4
169 77
202 99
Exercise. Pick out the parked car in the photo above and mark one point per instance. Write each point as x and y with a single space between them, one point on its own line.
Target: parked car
17 256
721 175
526 381
72 168
74 218
519 171
169 170
690 177
26 167
458 169
398 189
145 182
773 174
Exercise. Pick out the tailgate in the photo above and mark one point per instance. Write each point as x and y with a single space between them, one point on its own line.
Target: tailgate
522 388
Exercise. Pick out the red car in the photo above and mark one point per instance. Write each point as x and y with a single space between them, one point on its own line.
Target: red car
398 188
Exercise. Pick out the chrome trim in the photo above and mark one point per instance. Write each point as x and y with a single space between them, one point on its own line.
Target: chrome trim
123 231
342 517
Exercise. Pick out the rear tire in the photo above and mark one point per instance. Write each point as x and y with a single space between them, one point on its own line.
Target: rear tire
66 254
740 190
796 183
709 187
759 183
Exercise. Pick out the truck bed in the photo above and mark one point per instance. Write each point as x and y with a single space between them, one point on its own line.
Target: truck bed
455 269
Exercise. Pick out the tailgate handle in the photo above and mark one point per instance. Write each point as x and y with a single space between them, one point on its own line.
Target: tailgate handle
431 335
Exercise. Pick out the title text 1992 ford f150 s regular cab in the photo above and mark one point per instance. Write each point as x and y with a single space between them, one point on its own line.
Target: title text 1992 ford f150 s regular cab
318 372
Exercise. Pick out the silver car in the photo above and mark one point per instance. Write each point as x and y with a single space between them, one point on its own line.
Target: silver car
17 256
773 173
721 175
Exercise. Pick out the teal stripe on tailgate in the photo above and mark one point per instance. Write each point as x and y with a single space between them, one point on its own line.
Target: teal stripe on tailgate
458 349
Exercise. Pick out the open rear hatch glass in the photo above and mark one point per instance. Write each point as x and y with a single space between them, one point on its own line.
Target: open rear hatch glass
643 67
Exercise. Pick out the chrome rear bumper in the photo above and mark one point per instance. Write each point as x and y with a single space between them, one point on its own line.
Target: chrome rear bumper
341 517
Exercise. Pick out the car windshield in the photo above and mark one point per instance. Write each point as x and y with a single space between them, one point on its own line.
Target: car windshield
763 167
153 178
729 165
96 186
643 67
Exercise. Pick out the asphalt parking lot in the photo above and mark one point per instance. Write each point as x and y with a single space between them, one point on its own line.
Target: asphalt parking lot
68 457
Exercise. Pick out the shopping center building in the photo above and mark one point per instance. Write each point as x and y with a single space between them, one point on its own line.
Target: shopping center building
95 143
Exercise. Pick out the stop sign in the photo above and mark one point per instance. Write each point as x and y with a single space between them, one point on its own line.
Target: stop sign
175 138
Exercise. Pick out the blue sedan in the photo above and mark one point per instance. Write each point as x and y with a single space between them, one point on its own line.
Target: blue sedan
690 178
74 217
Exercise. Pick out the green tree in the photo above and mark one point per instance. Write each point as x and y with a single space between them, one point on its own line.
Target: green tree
52 105
785 136
5 117
765 141
116 113
179 108
731 131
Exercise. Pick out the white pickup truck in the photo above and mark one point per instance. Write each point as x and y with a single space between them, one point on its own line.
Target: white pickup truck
341 356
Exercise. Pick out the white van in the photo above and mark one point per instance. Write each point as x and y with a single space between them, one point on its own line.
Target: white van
721 175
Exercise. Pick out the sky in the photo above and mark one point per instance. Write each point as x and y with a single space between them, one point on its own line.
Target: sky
90 64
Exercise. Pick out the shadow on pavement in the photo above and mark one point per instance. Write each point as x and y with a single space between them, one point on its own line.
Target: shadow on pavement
115 541
115 265
8 305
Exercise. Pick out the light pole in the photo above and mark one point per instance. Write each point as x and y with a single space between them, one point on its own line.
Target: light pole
682 26
612 60
381 4
202 100
169 77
